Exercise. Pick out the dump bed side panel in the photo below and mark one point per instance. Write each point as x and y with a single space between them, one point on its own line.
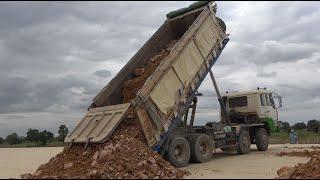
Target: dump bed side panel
166 92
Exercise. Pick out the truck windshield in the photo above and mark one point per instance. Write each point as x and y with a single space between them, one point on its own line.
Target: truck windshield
238 101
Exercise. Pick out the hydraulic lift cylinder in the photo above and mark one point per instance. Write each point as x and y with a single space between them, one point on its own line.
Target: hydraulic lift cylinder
222 105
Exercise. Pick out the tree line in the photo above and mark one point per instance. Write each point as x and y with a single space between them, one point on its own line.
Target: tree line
37 136
312 126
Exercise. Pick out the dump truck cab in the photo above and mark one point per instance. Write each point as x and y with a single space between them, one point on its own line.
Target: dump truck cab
253 107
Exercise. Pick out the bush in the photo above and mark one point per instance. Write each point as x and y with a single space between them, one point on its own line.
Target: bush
299 126
284 126
12 139
45 137
1 140
33 135
313 125
63 132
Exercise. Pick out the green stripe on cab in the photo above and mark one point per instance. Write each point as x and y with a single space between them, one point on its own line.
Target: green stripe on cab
270 122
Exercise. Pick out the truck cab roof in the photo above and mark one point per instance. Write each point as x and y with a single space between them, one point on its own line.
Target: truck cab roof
244 93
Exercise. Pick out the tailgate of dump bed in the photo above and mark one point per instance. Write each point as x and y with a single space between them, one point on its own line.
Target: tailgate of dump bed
98 124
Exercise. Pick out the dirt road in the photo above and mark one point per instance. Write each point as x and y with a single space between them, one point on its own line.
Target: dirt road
255 165
16 161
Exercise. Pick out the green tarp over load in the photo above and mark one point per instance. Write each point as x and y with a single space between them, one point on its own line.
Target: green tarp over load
181 11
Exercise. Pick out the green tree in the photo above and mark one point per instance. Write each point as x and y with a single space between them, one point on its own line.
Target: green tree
12 139
33 135
50 136
285 126
299 126
63 132
313 125
45 137
1 140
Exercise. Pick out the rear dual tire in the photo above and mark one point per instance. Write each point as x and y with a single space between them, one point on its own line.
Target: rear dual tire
201 148
180 152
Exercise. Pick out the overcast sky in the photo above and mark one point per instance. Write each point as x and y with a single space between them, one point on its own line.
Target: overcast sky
56 56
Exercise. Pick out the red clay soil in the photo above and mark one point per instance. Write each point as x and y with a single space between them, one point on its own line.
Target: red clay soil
308 170
124 155
304 153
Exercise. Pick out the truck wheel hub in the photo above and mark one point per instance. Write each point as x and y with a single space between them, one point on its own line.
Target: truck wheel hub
178 152
203 147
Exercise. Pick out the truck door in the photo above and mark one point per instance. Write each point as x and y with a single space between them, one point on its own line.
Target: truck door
271 108
268 109
263 104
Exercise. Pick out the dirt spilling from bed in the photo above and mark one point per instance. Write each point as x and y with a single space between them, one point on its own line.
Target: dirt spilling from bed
308 170
125 154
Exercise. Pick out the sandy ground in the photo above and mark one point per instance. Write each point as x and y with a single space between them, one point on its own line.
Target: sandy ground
17 161
255 165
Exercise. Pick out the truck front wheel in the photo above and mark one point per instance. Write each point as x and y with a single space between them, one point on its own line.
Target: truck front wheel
201 148
262 140
179 152
244 142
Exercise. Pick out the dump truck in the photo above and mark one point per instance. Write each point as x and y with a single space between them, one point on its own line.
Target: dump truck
163 102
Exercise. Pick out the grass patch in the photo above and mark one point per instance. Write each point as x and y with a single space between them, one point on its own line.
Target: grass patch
304 137
307 137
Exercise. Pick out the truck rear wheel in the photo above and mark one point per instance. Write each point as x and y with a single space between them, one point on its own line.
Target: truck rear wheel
179 151
262 139
244 142
201 148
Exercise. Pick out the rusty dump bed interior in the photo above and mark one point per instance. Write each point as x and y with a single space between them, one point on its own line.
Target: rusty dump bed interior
176 59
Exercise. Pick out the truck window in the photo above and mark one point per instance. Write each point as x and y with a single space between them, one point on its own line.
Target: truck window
267 100
272 101
238 101
263 100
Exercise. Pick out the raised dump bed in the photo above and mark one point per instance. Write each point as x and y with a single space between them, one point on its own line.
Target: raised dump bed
167 93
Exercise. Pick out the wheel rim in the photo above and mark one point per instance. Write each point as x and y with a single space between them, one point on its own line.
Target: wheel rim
203 147
179 152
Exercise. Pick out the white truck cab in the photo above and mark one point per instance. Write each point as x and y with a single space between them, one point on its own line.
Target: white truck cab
255 106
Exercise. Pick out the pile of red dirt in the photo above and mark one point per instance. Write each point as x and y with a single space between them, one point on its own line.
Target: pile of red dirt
124 155
308 170
304 153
